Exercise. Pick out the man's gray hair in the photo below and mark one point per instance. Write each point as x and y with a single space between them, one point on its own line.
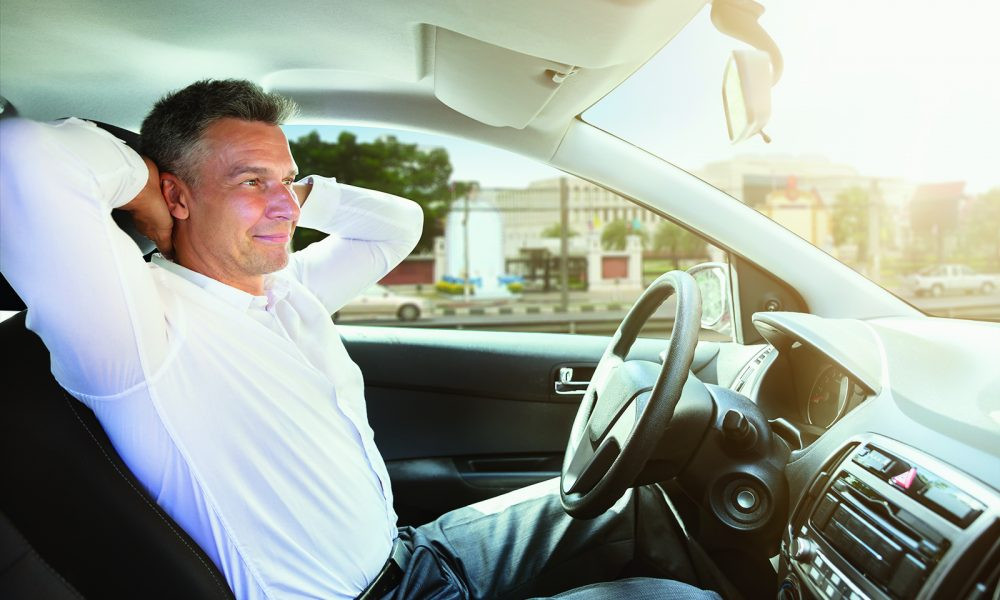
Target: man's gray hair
171 132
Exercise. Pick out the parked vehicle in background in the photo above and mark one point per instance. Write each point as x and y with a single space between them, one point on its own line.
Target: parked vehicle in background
939 279
379 300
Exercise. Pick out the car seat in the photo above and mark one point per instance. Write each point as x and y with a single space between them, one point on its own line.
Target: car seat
68 503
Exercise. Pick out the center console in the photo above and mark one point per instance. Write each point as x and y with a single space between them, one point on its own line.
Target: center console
883 520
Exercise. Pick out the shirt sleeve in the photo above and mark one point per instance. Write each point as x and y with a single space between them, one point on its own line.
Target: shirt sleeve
90 295
370 232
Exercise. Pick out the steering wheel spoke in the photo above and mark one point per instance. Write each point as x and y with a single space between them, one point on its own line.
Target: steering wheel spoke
621 430
588 465
591 458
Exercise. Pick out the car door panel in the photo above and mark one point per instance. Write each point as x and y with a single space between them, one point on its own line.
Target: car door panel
460 416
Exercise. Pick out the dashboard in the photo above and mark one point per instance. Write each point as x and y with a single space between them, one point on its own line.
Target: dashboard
894 430
801 391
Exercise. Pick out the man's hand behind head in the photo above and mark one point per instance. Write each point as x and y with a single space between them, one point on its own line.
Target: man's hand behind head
150 213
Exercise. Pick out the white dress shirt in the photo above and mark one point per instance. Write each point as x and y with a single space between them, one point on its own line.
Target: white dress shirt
243 416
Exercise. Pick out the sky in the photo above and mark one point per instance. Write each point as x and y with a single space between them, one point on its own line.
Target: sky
891 88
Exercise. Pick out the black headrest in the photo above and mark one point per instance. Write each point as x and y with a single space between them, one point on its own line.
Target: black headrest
6 108
9 300
68 492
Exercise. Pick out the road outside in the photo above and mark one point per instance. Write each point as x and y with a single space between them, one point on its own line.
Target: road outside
599 313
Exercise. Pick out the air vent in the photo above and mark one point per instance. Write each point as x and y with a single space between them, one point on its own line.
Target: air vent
749 371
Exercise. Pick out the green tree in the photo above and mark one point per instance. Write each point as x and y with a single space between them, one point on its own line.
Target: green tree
850 220
614 234
555 231
677 242
386 165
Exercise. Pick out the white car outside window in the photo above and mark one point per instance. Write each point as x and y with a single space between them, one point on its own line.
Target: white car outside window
379 301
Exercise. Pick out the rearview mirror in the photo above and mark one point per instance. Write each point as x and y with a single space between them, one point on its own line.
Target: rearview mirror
746 94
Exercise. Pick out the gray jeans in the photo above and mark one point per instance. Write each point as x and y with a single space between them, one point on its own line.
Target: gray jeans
523 545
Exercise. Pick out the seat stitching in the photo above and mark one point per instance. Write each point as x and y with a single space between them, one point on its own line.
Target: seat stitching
71 401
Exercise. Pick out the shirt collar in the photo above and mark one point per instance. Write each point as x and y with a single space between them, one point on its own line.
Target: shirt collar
275 288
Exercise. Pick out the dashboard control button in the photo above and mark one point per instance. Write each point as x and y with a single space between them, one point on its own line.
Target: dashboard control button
746 500
904 480
958 507
876 461
789 590
803 550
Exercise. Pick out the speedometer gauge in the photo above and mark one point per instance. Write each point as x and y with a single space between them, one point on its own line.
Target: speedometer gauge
828 397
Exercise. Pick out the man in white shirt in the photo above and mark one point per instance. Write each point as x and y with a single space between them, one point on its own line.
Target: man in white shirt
216 370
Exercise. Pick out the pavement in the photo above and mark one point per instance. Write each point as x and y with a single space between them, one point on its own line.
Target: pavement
614 300
533 306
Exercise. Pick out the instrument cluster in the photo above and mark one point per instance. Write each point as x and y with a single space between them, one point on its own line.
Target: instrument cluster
831 396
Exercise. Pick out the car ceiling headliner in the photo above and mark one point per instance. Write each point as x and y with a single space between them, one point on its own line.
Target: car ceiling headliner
480 69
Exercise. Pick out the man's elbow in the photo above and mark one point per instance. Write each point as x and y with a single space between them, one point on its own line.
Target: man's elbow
30 150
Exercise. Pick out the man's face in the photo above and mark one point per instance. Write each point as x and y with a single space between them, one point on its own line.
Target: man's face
243 209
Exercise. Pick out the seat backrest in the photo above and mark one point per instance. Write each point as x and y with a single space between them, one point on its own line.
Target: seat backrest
24 575
68 492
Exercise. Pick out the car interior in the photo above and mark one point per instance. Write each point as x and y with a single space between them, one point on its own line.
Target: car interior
837 443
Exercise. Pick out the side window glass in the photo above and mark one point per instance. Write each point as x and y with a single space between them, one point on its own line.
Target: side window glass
545 252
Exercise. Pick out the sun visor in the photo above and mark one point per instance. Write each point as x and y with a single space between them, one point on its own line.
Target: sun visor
491 84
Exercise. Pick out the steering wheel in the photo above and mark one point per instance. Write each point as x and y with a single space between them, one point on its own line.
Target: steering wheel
623 415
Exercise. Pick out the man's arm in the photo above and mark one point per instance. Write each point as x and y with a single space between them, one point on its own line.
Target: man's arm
90 296
370 233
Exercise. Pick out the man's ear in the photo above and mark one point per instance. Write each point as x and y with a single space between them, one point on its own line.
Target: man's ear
177 195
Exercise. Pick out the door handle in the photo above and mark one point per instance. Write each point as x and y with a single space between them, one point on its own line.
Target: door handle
565 385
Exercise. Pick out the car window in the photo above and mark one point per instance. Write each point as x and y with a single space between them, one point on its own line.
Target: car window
495 254
881 144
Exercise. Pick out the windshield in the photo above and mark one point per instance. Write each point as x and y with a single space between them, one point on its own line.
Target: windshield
883 128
